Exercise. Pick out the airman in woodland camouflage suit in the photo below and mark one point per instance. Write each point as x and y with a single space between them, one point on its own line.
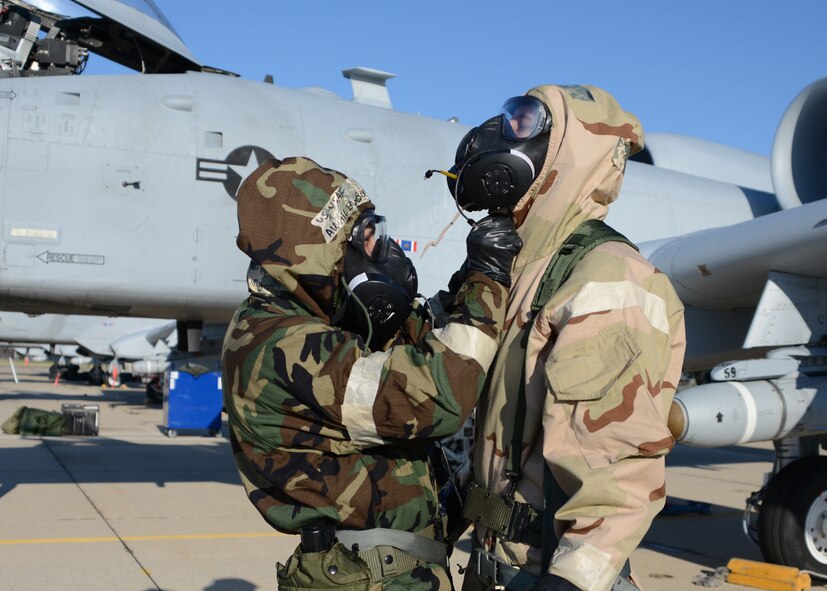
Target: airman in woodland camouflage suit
323 428
598 364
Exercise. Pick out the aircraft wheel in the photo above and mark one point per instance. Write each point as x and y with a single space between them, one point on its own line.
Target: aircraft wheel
792 524
113 381
96 377
154 394
53 371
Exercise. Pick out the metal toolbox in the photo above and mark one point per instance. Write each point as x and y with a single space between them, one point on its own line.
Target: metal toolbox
80 419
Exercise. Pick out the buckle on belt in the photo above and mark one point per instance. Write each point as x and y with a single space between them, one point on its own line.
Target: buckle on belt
499 575
488 567
510 519
520 521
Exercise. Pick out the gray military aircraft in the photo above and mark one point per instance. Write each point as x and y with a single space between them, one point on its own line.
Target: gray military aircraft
118 192
112 346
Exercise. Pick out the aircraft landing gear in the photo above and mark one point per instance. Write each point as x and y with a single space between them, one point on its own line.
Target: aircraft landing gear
96 375
792 523
155 391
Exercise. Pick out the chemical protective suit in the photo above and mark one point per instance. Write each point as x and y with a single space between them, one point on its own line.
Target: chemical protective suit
322 428
598 364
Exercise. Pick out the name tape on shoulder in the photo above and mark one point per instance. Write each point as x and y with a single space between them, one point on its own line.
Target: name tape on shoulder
341 205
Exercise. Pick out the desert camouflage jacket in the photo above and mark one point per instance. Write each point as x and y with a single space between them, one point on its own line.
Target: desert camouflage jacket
320 425
599 364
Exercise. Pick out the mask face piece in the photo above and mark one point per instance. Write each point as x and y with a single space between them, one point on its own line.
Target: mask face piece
497 162
381 278
524 118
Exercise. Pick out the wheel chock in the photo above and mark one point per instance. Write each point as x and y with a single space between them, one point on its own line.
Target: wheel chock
763 575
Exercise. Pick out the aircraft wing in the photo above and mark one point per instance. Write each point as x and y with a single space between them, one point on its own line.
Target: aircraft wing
133 33
728 267
141 344
123 337
22 328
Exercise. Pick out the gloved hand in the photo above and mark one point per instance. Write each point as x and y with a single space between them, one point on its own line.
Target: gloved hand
492 245
458 278
555 583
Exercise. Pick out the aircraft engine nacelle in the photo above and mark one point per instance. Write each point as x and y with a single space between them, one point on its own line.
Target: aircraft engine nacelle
730 413
707 159
800 149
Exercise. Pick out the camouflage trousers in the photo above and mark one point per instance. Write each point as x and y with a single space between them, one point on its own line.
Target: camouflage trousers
341 569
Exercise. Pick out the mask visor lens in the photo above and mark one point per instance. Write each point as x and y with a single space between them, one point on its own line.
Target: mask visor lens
523 118
370 237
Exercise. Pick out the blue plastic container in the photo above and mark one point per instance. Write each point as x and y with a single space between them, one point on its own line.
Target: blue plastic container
192 401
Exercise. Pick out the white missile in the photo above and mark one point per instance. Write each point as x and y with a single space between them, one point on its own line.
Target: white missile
733 412
79 360
149 367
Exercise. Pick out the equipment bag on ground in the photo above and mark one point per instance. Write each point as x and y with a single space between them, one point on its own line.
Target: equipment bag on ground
34 421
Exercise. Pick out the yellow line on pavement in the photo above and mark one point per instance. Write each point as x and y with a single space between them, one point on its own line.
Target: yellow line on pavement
21 542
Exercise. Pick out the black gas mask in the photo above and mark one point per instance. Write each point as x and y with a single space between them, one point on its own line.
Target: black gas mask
497 162
381 282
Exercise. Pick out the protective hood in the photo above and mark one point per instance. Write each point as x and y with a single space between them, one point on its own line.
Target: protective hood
590 140
294 217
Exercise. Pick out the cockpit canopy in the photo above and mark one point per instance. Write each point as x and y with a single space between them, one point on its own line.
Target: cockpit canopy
52 37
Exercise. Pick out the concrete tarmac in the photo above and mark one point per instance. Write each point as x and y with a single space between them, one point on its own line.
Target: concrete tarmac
135 510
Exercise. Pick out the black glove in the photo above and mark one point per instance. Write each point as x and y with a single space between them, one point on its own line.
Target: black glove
492 245
555 583
458 278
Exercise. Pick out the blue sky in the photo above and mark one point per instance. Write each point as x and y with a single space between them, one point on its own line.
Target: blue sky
722 70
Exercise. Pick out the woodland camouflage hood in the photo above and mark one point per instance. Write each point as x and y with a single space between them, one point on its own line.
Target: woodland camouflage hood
275 204
321 425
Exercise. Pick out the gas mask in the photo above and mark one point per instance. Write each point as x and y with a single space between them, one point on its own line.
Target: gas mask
497 162
381 282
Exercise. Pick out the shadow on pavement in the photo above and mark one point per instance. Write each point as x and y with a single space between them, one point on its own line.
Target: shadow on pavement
702 533
699 457
100 460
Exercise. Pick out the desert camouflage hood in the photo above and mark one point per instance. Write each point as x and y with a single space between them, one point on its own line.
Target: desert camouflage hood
590 140
597 364
275 204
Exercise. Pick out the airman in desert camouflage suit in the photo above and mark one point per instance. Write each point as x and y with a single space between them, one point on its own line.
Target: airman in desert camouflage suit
598 364
323 428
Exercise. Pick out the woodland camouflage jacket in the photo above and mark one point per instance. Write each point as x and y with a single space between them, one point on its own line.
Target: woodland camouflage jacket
320 425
